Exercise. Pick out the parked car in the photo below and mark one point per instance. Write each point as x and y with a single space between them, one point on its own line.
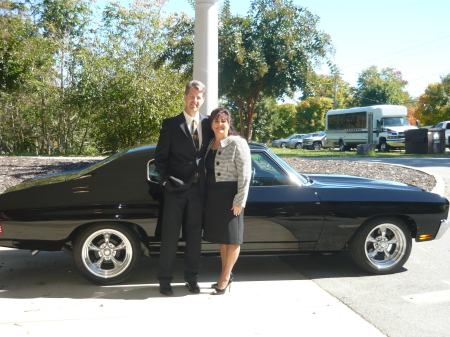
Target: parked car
445 125
315 142
109 213
296 142
282 142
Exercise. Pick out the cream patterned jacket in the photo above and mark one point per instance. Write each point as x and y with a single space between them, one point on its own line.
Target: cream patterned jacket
233 163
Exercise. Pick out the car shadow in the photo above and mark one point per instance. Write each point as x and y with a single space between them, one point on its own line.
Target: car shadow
53 275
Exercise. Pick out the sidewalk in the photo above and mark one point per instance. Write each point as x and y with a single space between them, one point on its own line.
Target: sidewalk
44 296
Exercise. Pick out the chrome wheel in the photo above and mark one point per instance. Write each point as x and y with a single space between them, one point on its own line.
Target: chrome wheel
298 145
106 253
381 246
283 145
385 245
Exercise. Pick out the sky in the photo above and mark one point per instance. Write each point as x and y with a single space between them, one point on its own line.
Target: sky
411 36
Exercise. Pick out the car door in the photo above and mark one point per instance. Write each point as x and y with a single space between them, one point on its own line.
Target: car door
280 215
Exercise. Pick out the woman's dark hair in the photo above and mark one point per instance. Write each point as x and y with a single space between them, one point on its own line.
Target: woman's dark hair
223 113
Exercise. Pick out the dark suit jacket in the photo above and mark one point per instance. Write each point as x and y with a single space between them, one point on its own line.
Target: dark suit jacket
176 155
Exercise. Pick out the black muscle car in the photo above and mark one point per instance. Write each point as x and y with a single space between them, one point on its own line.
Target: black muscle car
108 214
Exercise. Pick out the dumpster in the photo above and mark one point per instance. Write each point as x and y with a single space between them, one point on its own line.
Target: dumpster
425 141
416 141
436 141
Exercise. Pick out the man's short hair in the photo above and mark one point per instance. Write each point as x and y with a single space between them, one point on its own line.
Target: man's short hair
196 85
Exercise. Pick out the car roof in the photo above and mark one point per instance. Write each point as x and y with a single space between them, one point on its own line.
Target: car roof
252 144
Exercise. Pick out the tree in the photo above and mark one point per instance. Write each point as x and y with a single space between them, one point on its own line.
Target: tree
274 120
268 53
434 104
127 98
329 86
380 87
25 67
311 114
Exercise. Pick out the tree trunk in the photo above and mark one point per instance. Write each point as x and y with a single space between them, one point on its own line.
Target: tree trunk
241 117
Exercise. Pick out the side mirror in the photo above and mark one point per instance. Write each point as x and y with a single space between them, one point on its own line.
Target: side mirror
378 126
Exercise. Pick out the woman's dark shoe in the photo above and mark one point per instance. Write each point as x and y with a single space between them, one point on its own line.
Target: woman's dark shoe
214 285
222 291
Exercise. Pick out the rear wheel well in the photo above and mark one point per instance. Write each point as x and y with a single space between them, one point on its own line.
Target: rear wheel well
140 233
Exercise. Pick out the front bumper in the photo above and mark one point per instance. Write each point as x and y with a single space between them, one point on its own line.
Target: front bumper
396 142
445 225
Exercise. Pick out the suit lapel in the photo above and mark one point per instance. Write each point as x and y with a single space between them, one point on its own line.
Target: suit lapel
183 125
206 129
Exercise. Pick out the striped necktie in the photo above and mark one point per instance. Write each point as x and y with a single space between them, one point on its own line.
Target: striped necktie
194 133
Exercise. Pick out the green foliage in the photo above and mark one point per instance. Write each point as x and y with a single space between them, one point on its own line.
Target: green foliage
325 85
380 87
274 121
23 53
69 85
434 104
127 97
311 114
269 52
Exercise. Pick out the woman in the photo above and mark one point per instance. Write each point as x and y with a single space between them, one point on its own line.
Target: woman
228 172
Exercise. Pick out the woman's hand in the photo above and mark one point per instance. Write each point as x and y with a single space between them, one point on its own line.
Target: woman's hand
236 209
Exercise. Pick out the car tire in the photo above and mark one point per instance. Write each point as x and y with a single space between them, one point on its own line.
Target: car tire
283 145
298 146
317 145
342 147
382 246
107 253
384 147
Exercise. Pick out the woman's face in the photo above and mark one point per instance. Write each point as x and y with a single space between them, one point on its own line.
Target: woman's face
220 127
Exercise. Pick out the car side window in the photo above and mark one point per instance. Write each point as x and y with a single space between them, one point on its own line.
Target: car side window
152 174
265 172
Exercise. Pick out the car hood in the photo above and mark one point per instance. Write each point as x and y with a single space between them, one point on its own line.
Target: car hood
401 128
345 181
342 188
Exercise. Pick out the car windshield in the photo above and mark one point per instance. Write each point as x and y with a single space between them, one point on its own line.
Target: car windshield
395 121
304 180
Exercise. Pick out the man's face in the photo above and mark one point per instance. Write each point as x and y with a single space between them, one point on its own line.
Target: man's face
193 101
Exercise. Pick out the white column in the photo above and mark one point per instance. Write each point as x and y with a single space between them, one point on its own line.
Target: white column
206 50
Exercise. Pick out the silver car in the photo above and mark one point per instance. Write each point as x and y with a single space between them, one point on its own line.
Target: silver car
282 142
314 142
297 142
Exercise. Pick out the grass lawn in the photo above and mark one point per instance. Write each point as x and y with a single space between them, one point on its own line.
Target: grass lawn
350 154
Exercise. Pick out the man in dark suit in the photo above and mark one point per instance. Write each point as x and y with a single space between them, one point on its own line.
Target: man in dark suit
179 161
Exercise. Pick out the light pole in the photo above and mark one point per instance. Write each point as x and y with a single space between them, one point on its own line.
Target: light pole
206 50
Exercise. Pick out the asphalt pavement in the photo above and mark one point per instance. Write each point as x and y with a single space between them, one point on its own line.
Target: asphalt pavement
43 295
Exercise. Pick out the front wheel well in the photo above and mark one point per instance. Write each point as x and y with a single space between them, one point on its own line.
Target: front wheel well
409 222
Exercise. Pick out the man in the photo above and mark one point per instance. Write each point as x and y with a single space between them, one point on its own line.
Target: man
179 161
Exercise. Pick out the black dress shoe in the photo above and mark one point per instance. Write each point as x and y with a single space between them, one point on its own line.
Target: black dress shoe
166 289
193 287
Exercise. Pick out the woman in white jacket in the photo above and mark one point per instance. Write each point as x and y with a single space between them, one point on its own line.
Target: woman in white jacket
228 173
